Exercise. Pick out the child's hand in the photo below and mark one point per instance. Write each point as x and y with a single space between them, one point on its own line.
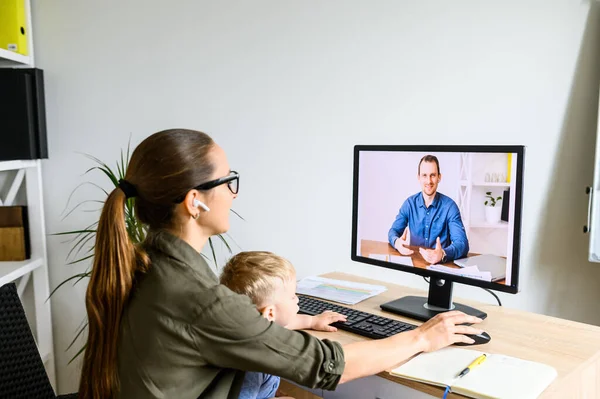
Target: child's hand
322 322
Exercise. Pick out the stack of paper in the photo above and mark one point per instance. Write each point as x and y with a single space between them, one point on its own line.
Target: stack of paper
471 272
338 290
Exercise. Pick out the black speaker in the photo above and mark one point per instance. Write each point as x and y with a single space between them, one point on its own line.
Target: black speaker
22 114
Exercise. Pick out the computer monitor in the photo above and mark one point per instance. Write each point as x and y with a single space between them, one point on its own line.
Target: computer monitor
450 213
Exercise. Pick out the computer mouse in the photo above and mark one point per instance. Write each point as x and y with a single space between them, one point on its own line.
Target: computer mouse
479 339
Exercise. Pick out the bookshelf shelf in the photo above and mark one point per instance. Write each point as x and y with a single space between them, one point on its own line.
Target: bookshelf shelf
15 165
10 58
10 271
484 225
484 184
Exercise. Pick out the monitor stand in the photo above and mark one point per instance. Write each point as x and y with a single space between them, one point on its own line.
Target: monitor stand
439 301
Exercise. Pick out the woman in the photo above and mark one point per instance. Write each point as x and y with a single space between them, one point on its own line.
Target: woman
161 326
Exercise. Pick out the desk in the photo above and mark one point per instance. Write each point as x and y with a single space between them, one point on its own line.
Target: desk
368 247
573 349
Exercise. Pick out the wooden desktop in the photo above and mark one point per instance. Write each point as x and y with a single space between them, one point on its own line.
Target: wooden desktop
572 348
368 247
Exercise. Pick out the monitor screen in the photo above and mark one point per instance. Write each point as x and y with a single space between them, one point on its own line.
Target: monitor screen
451 211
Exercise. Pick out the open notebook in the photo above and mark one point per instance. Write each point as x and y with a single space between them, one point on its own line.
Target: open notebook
498 377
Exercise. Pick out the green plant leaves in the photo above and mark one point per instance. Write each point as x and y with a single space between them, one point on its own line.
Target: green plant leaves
491 200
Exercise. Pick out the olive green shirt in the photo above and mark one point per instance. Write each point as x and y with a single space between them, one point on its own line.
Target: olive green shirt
185 336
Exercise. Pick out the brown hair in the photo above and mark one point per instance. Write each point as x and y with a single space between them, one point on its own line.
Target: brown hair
429 158
256 274
163 167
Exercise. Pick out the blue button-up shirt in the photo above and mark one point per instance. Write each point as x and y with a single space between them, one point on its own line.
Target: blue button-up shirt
441 219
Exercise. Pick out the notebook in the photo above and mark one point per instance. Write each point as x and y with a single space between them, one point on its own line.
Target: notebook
498 377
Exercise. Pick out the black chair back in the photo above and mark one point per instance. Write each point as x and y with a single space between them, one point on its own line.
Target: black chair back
22 372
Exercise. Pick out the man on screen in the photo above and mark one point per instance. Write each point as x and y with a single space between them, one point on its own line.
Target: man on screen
432 219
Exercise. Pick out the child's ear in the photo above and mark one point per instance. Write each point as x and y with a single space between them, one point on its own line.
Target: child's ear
268 312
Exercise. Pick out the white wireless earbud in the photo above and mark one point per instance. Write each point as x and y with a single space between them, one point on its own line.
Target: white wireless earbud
200 204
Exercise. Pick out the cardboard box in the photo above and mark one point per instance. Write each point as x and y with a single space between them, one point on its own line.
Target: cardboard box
14 234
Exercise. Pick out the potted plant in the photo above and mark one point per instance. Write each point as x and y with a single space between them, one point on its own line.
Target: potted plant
493 211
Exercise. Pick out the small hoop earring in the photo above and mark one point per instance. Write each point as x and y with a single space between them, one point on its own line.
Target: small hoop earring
196 216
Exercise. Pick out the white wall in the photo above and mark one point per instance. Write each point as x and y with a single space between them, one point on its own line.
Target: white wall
287 88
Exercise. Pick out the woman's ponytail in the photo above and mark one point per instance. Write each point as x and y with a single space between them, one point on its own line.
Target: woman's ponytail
116 261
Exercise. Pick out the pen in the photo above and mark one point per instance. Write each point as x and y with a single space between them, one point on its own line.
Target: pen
473 364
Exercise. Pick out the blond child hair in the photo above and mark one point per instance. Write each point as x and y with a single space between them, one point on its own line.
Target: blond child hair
257 274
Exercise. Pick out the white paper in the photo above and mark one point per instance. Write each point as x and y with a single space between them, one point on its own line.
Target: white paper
342 291
401 260
471 272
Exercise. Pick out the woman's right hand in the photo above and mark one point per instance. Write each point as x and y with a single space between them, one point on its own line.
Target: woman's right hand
374 356
445 329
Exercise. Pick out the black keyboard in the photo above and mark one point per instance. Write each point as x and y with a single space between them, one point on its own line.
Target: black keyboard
361 323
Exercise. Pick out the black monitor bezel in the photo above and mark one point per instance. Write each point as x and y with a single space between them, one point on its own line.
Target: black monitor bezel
518 149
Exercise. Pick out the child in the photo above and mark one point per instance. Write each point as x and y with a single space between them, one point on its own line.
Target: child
270 282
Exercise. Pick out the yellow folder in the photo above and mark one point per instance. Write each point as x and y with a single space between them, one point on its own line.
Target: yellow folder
13 26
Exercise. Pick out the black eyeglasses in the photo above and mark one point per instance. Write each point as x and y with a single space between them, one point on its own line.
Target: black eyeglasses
232 181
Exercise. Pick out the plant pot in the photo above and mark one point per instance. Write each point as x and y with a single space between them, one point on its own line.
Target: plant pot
492 214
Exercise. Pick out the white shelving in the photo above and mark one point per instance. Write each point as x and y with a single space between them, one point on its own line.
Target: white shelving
471 192
484 237
10 57
24 181
485 225
495 184
14 165
485 184
10 271
28 181
46 357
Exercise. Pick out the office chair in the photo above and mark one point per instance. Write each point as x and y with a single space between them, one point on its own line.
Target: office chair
22 373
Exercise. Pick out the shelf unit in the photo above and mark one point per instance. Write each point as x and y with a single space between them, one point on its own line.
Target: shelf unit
483 237
470 182
24 181
27 175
